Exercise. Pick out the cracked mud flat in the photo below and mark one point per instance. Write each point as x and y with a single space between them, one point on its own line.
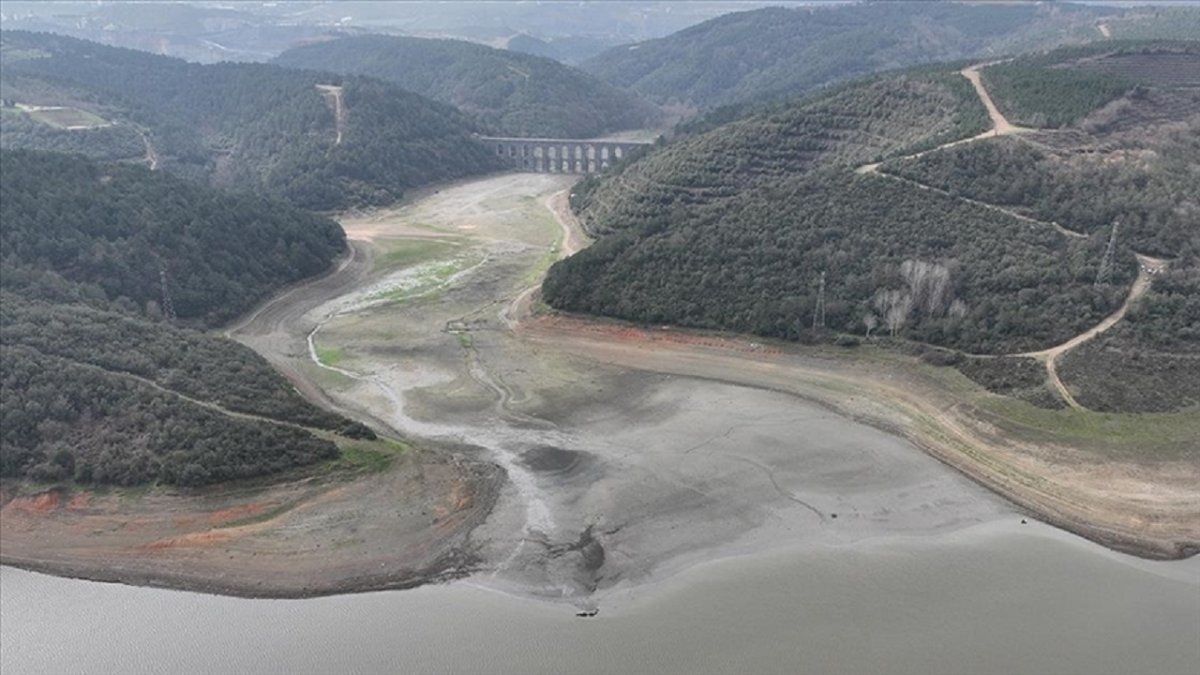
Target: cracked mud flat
615 477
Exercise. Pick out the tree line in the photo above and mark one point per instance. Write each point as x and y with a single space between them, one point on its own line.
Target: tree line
258 127
102 268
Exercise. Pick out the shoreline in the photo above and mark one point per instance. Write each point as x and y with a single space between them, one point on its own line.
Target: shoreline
850 385
665 578
938 442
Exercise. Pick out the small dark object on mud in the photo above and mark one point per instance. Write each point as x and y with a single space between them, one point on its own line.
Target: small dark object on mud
833 515
1024 522
587 613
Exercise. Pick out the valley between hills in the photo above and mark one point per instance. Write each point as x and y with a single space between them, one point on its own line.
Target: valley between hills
431 328
548 393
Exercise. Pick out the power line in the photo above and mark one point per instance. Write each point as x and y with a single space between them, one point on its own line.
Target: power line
1105 270
168 308
819 310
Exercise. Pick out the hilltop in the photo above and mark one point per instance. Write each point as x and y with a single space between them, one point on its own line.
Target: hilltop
320 141
104 269
774 52
510 92
997 246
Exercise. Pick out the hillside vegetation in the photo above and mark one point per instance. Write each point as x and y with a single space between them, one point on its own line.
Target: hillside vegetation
1128 163
510 92
739 226
1059 88
77 230
775 52
246 126
97 387
845 126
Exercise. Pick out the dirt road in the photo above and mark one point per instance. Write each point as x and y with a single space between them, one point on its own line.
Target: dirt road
1147 268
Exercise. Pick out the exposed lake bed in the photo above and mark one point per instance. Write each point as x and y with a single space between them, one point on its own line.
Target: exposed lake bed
716 522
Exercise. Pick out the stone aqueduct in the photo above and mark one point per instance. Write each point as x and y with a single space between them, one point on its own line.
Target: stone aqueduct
558 155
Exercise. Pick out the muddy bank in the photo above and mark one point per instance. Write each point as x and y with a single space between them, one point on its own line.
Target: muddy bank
1150 509
401 528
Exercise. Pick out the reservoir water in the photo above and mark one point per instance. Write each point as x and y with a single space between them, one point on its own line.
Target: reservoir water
994 598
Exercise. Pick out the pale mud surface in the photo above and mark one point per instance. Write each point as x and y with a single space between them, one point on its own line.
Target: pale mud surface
615 476
558 458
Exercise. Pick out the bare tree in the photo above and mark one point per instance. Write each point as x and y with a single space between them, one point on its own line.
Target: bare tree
870 321
896 305
928 283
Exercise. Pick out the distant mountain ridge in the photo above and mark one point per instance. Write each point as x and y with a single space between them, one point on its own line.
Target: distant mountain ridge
510 92
776 52
250 126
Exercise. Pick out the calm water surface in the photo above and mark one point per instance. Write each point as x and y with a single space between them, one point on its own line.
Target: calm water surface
996 598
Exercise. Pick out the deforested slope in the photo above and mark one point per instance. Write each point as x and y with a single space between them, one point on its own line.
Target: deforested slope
101 382
774 52
512 93
319 140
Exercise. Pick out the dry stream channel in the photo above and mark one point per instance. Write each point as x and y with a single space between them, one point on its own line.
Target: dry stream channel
716 527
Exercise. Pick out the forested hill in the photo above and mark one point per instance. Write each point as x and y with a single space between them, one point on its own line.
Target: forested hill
776 51
512 93
994 246
321 141
97 384
75 229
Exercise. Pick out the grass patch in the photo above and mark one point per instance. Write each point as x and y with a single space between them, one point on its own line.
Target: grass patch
330 356
65 118
427 279
366 456
400 253
1154 436
535 273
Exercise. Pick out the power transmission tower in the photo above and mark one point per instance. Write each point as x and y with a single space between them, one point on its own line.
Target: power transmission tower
1109 251
819 310
168 308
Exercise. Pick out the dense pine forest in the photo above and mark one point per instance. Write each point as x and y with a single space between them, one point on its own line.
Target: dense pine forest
844 126
737 225
248 126
776 52
99 385
510 92
78 228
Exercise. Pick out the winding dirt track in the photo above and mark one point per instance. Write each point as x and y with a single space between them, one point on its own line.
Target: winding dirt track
1147 266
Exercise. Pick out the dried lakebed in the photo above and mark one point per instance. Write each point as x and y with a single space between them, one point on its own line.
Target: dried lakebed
543 472
614 476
